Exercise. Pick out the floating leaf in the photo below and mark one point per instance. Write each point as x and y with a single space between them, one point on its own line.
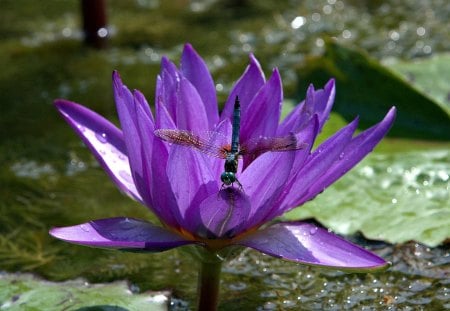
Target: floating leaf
25 292
396 198
430 75
369 89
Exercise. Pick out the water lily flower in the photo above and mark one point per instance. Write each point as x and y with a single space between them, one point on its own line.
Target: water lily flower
182 186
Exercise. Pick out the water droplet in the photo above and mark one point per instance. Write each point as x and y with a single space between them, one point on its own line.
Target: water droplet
313 230
81 128
126 176
101 137
341 156
84 228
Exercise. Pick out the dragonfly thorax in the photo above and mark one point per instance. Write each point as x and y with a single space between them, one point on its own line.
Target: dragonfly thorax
228 177
231 163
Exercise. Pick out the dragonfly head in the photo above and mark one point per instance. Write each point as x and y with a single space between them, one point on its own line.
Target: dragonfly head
228 178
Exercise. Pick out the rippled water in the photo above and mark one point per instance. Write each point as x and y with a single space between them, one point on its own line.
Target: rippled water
417 280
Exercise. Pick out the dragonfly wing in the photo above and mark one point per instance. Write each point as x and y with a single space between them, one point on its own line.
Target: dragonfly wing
206 144
261 145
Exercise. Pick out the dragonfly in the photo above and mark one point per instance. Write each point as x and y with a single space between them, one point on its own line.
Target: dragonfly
230 152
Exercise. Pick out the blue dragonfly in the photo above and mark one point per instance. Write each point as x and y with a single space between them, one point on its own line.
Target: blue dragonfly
231 153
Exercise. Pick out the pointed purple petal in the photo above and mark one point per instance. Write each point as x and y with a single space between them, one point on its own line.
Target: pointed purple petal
121 233
308 244
146 131
195 70
324 102
141 101
318 163
263 114
126 108
163 118
224 129
104 140
191 113
317 102
190 177
306 135
167 86
262 185
251 81
221 215
161 190
354 152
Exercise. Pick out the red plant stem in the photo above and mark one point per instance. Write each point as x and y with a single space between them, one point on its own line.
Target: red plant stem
94 22
208 285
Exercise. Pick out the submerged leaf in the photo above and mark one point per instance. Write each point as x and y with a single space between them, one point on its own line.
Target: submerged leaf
25 292
429 75
367 88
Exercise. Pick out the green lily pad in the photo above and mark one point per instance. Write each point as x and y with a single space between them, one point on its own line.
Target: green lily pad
393 197
430 75
365 87
26 292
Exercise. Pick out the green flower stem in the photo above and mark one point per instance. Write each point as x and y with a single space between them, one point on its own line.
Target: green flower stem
208 285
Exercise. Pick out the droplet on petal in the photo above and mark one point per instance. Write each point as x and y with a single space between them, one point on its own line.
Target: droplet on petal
101 137
313 230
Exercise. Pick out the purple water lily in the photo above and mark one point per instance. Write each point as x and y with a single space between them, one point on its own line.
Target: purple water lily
182 186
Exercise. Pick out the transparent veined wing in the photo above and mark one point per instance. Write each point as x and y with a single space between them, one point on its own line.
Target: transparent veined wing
210 143
260 145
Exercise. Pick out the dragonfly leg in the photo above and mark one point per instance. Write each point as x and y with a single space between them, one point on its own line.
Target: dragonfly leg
226 185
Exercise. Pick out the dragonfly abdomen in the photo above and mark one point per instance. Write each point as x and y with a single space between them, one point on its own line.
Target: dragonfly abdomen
236 126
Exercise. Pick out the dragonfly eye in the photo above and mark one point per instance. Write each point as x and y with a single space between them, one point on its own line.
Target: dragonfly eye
228 178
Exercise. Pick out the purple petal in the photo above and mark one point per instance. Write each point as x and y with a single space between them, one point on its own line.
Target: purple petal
324 102
190 177
167 86
221 215
195 70
308 244
223 128
104 140
126 108
263 114
122 233
354 152
161 190
251 81
163 118
306 135
263 185
317 102
169 67
318 163
191 113
141 102
146 130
